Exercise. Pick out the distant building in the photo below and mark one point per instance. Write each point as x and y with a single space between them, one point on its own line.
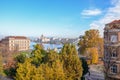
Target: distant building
43 39
19 43
112 50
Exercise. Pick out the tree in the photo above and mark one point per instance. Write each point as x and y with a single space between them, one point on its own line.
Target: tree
89 40
58 73
50 68
85 68
20 58
93 54
51 57
53 66
37 55
53 63
100 47
1 65
10 68
71 63
54 72
38 73
12 63
26 71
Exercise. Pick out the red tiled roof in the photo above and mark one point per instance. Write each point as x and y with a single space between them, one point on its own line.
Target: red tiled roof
17 37
113 25
115 21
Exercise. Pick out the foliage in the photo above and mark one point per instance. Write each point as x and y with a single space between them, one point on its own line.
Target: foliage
93 52
89 40
20 58
10 68
49 65
91 45
85 68
25 71
100 47
1 65
54 72
71 63
58 70
51 57
10 72
37 55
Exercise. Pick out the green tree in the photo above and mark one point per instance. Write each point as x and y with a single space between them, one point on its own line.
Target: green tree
52 66
54 72
55 66
37 74
85 68
58 73
71 63
27 71
11 65
20 58
47 72
51 57
24 70
37 55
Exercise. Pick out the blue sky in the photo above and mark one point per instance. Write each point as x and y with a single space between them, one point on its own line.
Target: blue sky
59 18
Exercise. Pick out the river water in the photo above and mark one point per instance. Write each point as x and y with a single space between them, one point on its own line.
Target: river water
47 46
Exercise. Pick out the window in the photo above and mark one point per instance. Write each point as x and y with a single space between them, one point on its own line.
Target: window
114 54
113 38
12 44
114 69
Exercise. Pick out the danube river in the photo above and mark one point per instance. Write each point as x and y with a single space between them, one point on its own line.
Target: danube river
47 46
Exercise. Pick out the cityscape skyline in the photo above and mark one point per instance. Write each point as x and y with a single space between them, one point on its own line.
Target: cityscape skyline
61 18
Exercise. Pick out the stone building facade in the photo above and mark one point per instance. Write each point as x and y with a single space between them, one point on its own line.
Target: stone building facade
19 43
112 50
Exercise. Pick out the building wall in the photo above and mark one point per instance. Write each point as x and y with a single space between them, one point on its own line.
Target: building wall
17 43
110 47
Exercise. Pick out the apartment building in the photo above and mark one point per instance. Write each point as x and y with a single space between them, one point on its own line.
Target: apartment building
112 50
19 43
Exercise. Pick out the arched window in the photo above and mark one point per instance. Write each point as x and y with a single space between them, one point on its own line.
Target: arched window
114 69
114 53
113 38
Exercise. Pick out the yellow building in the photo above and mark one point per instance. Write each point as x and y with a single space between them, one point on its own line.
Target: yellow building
19 43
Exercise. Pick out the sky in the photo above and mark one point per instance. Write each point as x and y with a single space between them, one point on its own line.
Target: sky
57 18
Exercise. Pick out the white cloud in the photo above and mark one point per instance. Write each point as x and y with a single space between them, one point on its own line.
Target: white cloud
91 12
94 26
112 13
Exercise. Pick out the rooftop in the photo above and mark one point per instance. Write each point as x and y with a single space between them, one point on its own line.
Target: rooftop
115 21
113 25
17 37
